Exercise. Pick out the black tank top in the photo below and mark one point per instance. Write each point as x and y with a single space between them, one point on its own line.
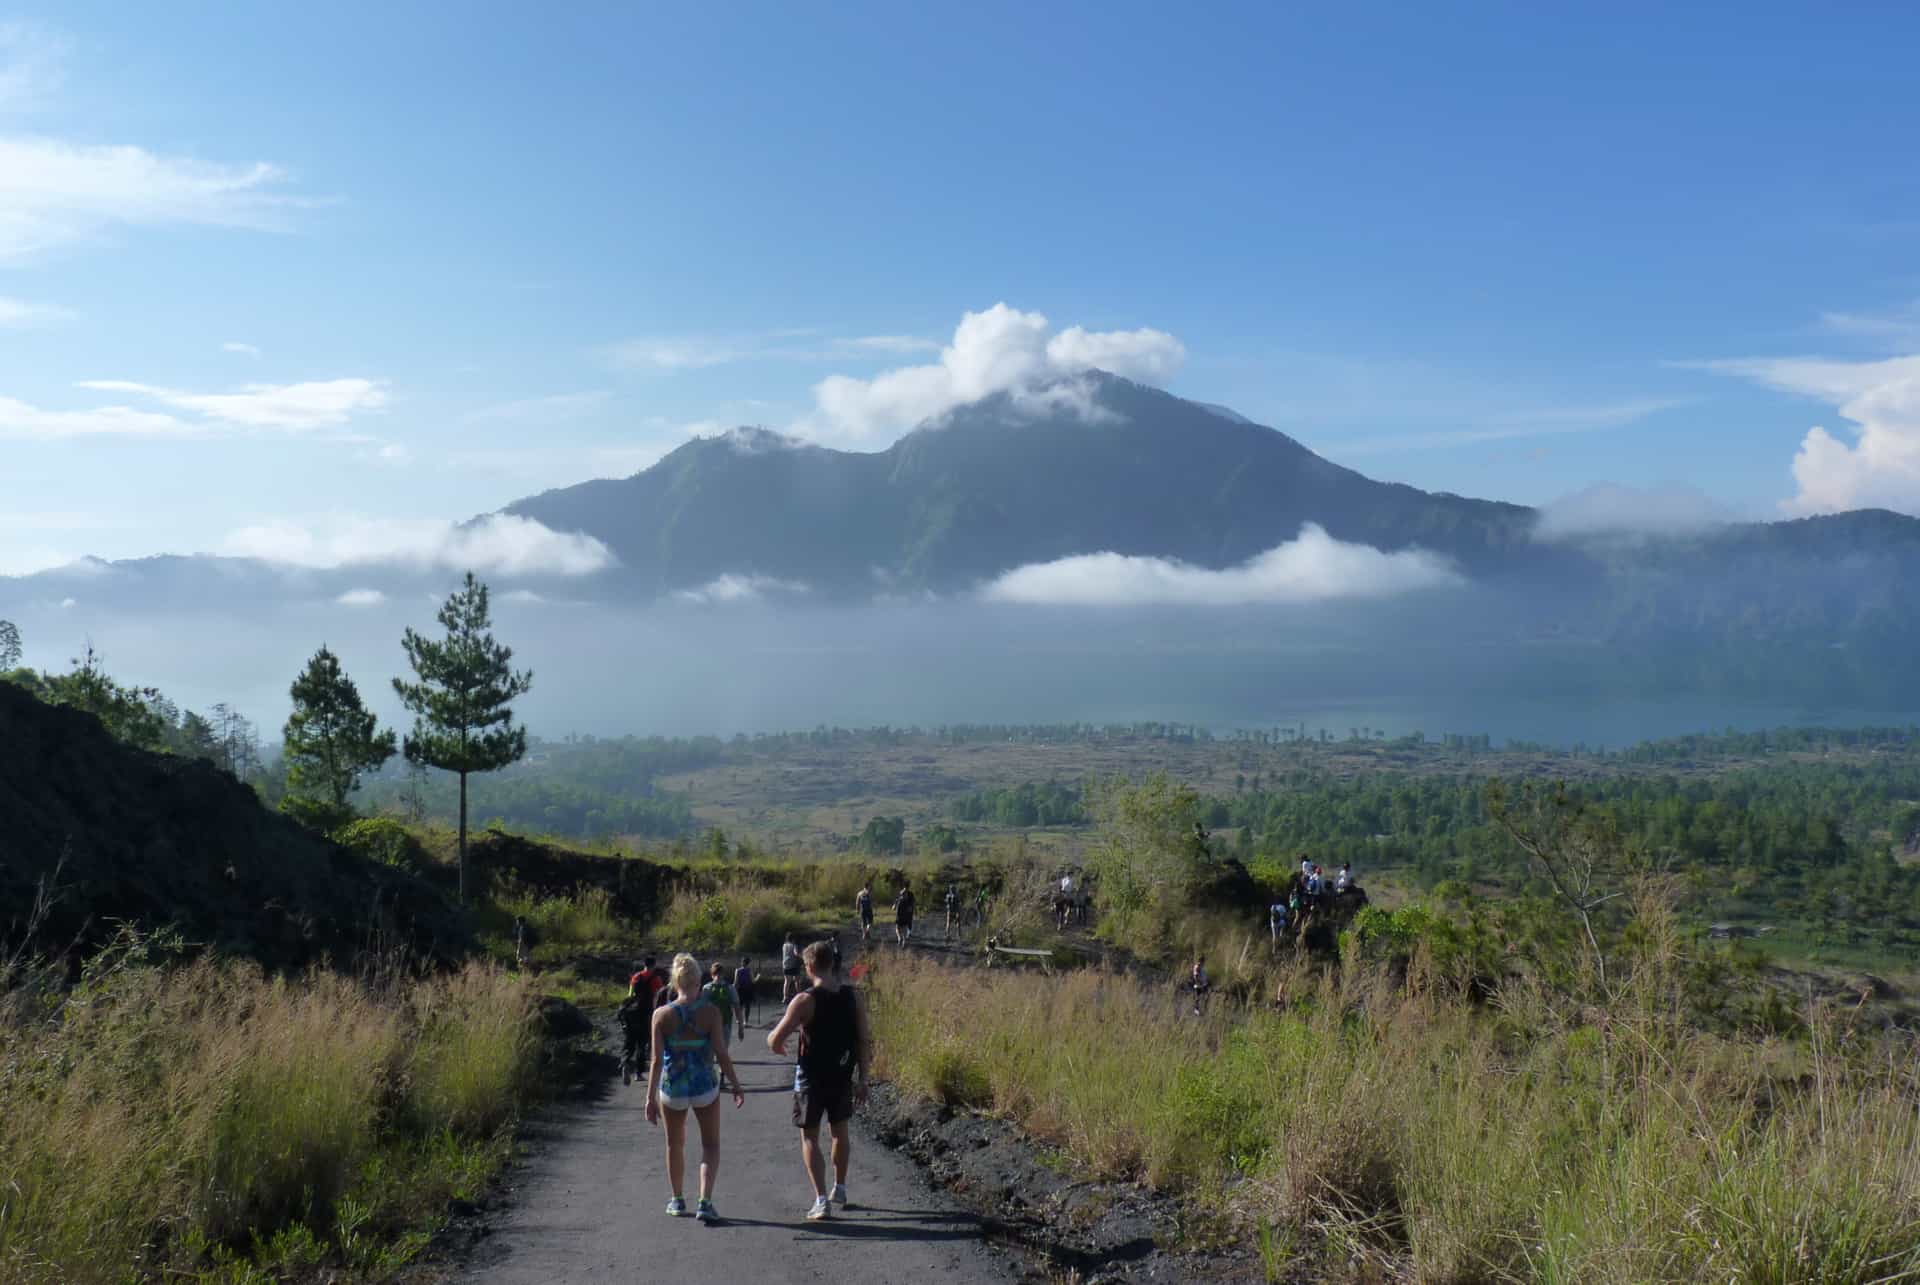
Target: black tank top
831 1035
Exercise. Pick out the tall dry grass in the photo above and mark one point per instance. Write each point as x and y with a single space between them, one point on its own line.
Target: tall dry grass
156 1122
1443 1142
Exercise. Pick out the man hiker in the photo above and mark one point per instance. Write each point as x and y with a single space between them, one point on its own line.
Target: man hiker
652 978
743 983
903 916
636 1021
789 969
831 1076
863 909
719 993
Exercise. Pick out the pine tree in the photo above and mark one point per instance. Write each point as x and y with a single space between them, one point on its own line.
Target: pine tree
462 722
331 737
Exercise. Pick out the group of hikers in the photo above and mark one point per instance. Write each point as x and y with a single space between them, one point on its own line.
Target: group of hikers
906 905
682 1024
1307 892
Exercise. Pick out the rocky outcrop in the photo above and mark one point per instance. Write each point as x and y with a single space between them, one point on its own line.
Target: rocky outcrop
120 835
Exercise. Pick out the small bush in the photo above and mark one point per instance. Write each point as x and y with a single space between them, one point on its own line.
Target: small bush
385 840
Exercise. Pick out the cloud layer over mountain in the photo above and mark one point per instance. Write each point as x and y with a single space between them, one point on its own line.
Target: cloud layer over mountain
999 350
1314 567
500 544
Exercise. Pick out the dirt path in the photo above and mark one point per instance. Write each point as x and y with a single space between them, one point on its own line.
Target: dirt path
588 1208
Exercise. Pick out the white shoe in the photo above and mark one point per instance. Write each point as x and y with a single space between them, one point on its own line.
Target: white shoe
822 1209
839 1196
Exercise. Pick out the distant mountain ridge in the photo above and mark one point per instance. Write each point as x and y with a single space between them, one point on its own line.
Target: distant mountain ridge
1098 464
993 486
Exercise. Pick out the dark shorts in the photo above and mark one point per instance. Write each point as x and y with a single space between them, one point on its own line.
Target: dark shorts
832 1099
904 919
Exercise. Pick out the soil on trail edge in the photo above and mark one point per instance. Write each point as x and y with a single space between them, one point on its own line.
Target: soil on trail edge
1103 1233
586 1205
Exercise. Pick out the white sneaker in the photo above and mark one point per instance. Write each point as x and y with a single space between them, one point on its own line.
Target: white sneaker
839 1196
822 1208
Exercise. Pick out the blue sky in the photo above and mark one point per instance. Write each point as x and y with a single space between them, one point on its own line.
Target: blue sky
315 281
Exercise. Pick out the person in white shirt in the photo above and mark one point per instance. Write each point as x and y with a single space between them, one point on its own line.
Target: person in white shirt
1343 880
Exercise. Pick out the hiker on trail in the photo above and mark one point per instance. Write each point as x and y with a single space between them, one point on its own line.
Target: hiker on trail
831 1078
863 908
652 978
744 982
789 969
1343 880
720 994
1313 886
1277 920
1198 983
1063 901
953 909
903 916
687 1042
635 1016
522 941
980 900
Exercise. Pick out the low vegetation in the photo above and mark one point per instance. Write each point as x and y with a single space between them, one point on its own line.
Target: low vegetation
206 1121
1406 1126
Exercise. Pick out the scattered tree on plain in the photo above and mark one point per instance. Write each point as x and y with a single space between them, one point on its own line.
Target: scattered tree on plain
462 719
331 739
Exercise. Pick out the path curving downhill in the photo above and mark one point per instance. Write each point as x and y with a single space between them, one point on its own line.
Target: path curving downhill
588 1205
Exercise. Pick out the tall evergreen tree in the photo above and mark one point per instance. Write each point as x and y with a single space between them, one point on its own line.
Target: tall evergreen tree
331 737
462 722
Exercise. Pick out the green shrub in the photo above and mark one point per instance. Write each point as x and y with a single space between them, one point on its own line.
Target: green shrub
385 840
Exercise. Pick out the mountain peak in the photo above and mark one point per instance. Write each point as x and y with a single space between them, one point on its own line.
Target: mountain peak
752 439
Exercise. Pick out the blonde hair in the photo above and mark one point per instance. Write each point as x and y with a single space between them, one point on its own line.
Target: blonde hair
686 975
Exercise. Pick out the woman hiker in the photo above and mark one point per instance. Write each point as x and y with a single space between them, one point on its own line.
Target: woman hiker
687 1042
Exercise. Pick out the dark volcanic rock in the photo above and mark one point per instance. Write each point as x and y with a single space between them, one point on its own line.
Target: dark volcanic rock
562 1019
152 839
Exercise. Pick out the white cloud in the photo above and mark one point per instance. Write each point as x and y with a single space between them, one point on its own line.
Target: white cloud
668 354
998 350
523 596
18 314
239 349
1544 421
54 193
891 343
1150 356
30 64
499 543
1880 468
1313 567
18 419
69 602
1609 510
361 598
1898 330
731 588
294 407
549 409
25 561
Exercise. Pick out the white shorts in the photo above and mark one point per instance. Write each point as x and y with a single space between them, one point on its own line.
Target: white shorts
694 1103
